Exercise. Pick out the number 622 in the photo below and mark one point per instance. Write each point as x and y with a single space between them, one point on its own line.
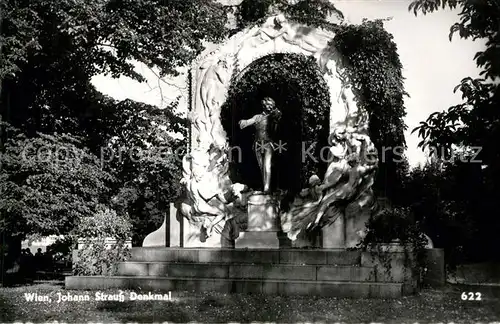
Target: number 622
471 296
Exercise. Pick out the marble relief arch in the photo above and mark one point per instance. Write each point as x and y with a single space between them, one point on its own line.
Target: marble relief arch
206 166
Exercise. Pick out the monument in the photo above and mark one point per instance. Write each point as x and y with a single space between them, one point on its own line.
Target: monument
264 124
212 196
199 245
262 206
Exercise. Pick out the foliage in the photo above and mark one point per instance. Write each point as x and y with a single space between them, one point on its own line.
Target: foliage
392 225
61 249
104 222
396 225
310 11
95 258
252 11
300 92
369 55
52 50
48 183
450 209
122 131
305 11
48 82
475 123
143 155
478 20
106 34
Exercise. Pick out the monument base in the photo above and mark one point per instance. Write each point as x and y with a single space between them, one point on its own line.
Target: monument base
262 213
257 240
333 236
263 224
291 272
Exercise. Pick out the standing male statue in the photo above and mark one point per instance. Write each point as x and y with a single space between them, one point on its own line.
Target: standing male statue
265 123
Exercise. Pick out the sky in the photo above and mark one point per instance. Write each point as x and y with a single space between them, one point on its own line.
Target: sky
432 65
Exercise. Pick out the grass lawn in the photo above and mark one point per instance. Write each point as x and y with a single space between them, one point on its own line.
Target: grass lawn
428 306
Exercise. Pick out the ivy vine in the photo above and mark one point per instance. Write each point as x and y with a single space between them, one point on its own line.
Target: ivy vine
369 56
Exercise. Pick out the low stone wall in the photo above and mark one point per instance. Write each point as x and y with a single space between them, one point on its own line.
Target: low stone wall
392 259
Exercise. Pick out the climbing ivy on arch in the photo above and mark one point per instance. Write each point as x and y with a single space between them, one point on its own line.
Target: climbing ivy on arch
369 56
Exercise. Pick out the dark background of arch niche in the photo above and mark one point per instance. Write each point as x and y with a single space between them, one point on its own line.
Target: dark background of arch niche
301 94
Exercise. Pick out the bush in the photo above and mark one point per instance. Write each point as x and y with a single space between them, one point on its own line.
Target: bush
392 225
396 226
95 258
58 255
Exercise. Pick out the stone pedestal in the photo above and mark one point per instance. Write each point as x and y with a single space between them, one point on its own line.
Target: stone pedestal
347 230
257 240
334 235
262 213
263 223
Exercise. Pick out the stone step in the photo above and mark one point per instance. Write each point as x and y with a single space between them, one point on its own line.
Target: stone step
257 256
281 287
252 271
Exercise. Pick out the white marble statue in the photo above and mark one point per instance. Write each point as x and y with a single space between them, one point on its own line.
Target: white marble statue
268 33
348 176
213 78
208 186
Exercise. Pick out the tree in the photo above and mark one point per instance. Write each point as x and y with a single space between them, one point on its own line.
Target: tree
144 156
48 183
369 56
50 53
475 123
110 33
51 50
445 198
